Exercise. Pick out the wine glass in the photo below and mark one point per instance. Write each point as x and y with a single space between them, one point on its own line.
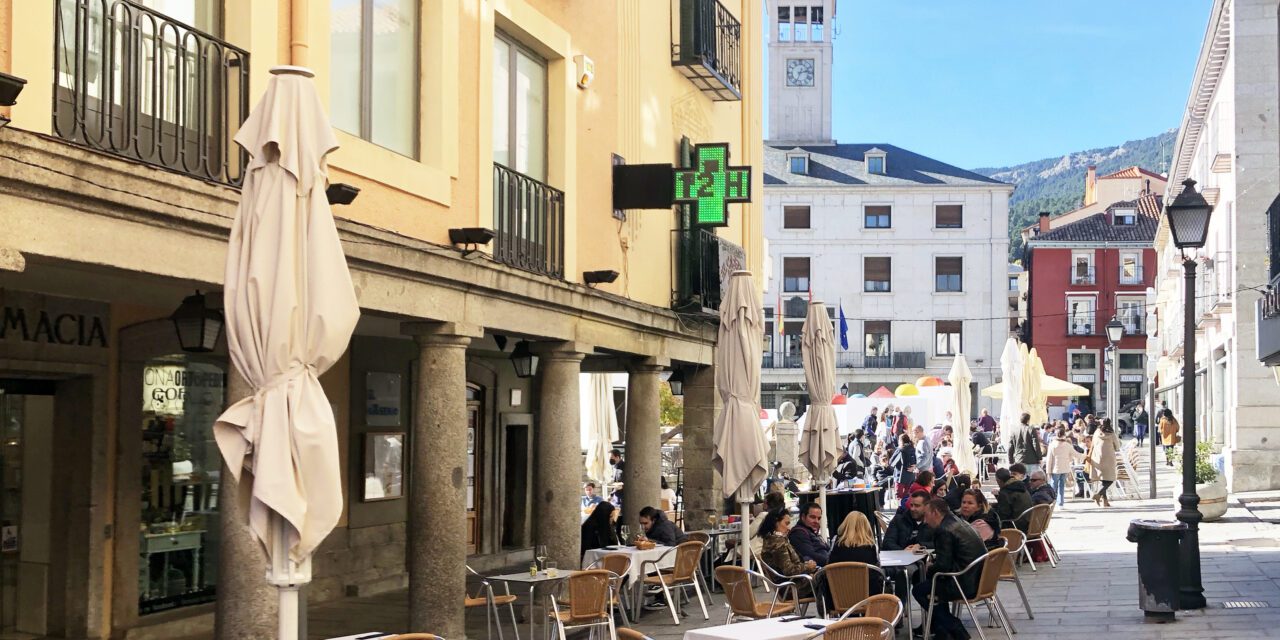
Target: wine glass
626 534
540 552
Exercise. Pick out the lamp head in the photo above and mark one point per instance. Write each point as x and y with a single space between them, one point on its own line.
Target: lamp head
1115 330
1188 216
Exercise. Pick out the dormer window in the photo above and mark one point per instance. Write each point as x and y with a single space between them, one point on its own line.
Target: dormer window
799 163
875 159
1125 217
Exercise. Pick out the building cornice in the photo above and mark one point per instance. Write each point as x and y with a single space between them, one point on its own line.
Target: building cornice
1209 67
1067 244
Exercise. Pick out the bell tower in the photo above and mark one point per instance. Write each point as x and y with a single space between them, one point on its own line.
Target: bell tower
800 57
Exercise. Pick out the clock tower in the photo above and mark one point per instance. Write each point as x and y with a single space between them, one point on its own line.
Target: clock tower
800 56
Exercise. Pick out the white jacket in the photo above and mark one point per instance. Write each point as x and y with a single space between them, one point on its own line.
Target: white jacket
1061 455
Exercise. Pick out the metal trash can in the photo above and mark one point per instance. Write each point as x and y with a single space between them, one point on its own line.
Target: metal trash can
1158 566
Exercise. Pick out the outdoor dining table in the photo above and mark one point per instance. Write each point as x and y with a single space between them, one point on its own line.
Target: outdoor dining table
634 575
786 628
533 582
908 562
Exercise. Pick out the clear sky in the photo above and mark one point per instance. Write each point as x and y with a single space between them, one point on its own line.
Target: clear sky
979 83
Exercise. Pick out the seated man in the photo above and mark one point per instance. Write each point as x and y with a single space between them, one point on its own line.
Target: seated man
806 536
956 546
908 527
1012 500
1041 491
659 529
589 497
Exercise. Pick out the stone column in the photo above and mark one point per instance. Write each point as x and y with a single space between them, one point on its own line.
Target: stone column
246 608
558 452
702 493
643 466
437 534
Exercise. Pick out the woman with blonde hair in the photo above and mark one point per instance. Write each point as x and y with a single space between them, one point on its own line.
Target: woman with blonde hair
854 541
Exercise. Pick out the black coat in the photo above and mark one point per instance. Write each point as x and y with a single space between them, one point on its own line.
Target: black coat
956 545
905 531
866 554
902 459
1011 502
597 537
664 531
808 544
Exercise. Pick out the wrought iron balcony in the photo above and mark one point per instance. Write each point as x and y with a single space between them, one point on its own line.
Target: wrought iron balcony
1135 326
528 223
1080 326
707 49
1082 276
697 271
849 360
135 83
1130 275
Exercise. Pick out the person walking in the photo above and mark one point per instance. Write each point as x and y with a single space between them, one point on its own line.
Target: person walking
1102 459
1140 425
1062 455
1170 435
903 462
1024 444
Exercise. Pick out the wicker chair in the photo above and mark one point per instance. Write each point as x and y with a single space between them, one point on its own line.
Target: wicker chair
992 566
774 579
856 629
618 564
681 576
1037 519
485 597
705 539
740 598
851 583
885 606
590 593
1014 541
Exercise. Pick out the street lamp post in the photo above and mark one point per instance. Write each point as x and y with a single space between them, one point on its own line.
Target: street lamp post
1188 216
1115 331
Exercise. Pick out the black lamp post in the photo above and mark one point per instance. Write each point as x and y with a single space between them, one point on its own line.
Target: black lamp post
1188 217
197 325
1115 331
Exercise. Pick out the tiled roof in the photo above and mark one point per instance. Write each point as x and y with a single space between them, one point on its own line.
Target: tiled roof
1132 172
844 164
1096 228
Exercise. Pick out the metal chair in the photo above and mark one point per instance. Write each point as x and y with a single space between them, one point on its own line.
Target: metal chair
992 566
850 583
705 539
681 576
486 598
590 594
885 606
415 636
740 598
1037 519
855 629
618 564
774 579
1014 541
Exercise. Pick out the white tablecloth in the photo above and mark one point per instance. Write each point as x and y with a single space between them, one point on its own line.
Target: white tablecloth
900 558
637 558
768 629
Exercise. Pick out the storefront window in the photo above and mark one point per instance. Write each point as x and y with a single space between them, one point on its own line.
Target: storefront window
180 473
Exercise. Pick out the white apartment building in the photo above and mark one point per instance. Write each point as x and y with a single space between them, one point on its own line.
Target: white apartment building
914 250
1227 144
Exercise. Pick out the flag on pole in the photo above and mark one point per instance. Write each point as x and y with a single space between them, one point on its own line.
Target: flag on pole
844 329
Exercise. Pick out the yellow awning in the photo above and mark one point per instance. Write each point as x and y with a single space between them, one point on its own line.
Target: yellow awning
1049 386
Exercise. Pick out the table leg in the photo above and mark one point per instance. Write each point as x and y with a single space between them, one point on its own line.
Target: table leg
907 604
533 588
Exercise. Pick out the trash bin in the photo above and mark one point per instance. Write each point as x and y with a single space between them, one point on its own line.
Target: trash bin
1158 566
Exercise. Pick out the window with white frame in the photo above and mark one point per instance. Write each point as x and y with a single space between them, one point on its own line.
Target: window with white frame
795 216
876 335
947 336
1132 313
800 24
1124 217
1130 267
795 274
1082 267
815 24
519 108
877 274
1080 315
877 216
948 216
948 274
799 164
373 47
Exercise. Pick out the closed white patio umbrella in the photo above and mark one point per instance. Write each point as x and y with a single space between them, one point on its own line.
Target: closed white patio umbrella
290 312
960 378
741 453
820 440
1011 379
602 430
1034 372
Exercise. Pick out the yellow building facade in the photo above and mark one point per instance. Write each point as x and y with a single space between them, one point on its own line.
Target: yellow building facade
502 118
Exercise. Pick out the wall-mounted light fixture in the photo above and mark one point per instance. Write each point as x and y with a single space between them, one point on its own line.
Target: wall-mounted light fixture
524 360
10 87
604 276
470 238
676 381
197 325
341 193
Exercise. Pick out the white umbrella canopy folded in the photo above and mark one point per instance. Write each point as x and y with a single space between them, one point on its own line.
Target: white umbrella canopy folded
1035 376
960 378
820 440
1011 400
290 313
741 453
602 429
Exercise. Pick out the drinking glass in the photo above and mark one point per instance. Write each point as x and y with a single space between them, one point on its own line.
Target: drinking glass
540 552
626 534
551 569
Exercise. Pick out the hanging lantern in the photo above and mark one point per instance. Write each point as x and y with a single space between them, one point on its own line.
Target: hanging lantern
198 326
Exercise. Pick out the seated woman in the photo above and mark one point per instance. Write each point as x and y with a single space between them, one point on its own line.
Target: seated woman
777 551
975 510
955 492
854 541
597 529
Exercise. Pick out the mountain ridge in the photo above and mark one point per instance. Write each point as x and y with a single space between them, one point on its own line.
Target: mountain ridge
1056 184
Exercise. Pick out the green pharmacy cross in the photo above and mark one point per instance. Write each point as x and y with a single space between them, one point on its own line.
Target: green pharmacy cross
712 184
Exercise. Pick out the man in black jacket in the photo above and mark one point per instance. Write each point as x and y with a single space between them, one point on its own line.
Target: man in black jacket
908 528
1012 500
659 529
1024 444
956 546
806 536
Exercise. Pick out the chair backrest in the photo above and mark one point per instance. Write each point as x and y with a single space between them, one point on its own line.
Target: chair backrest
857 629
699 536
1038 520
589 595
631 634
885 606
737 590
849 582
687 556
617 563
1013 540
992 569
666 504
884 522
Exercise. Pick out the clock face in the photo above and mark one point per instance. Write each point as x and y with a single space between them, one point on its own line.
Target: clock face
800 72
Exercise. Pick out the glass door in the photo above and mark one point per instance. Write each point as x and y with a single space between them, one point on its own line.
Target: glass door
26 410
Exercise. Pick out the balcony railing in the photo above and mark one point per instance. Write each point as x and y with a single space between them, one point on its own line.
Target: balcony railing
707 48
528 219
137 84
1135 326
849 360
1082 276
1077 326
697 271
1130 274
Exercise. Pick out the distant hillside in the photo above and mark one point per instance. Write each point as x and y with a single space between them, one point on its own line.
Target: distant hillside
1056 185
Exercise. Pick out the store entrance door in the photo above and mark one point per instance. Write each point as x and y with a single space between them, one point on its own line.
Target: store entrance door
26 480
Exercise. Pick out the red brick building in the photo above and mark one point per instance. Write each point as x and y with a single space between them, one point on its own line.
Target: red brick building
1082 274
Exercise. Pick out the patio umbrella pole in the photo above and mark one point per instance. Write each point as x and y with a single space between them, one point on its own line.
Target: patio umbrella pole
822 502
746 535
287 577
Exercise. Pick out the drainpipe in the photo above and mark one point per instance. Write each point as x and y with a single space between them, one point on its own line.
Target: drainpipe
299 46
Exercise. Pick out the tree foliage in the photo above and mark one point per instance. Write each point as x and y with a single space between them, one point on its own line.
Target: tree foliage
672 407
